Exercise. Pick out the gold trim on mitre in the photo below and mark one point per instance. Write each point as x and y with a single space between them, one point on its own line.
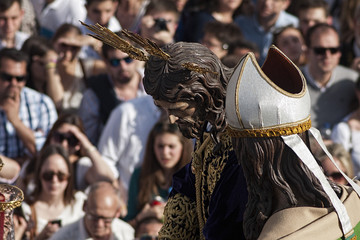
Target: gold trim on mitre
269 101
270 132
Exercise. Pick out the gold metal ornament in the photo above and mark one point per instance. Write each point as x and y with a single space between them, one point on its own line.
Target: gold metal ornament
107 36
193 67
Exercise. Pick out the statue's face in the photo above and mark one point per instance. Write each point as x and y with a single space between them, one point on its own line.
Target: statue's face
186 115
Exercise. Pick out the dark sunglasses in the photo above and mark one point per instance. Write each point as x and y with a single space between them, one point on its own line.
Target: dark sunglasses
336 175
48 176
8 77
322 50
70 138
115 62
67 46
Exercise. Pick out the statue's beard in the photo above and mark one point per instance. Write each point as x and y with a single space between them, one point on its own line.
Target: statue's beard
190 129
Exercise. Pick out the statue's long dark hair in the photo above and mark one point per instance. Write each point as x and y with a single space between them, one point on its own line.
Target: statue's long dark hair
269 166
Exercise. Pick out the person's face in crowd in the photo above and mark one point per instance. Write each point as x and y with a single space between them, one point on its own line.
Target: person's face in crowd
332 172
66 139
269 9
323 53
212 43
12 78
170 18
311 17
230 5
100 211
10 21
185 115
121 67
148 229
291 42
54 175
101 11
67 52
168 149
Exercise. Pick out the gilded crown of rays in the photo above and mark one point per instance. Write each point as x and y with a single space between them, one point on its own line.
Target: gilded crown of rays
107 36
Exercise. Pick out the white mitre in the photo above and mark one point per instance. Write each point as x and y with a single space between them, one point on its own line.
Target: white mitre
274 101
268 101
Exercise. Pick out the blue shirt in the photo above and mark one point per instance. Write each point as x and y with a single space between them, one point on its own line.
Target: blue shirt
254 32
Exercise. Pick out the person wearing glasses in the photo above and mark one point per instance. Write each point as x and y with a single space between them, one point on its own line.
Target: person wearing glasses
87 162
101 221
342 158
74 71
54 202
26 116
331 86
122 82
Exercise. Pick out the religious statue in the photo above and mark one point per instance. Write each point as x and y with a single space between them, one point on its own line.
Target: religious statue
209 194
268 113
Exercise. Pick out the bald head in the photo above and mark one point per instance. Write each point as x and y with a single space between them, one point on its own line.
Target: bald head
103 193
102 206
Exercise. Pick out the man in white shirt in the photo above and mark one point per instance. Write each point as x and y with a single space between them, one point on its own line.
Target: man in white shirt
52 14
123 140
101 221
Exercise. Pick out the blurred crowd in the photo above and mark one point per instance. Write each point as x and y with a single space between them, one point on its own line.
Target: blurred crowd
92 152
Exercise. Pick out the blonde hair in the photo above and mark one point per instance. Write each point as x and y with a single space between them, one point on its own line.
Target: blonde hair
338 151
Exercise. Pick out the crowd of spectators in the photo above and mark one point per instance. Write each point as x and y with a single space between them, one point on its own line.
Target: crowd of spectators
75 119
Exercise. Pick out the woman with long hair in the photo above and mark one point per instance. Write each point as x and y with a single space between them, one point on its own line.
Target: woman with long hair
87 162
54 201
167 151
42 73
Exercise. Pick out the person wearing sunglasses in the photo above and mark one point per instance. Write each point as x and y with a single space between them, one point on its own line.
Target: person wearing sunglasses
26 116
54 202
121 83
74 71
101 220
87 162
342 158
331 86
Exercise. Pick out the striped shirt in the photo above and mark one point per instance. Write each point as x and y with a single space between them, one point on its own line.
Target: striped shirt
37 111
